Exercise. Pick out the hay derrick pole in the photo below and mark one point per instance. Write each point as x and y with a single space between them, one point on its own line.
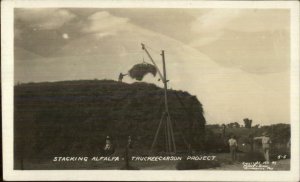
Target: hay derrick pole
169 134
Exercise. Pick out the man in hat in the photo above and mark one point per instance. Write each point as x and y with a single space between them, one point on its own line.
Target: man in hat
108 148
232 146
266 141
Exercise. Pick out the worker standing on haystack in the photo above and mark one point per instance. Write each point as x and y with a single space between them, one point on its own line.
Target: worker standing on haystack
266 141
233 147
121 76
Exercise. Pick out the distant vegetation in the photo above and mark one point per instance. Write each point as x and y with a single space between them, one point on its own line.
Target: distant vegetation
279 134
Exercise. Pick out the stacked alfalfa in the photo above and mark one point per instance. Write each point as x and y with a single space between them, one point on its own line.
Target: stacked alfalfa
73 118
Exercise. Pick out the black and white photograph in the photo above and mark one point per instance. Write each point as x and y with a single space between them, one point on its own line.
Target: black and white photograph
154 89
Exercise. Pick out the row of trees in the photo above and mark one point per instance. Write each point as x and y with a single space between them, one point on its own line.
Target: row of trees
247 124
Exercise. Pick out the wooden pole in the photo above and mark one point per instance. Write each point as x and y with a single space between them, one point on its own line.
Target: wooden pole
165 81
166 137
172 134
171 140
169 134
157 131
166 101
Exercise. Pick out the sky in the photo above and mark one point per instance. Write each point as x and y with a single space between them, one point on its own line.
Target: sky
236 61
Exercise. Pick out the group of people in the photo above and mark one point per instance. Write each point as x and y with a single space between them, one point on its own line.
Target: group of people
109 147
233 146
265 140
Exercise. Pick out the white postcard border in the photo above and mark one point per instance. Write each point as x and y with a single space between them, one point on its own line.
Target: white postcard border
155 175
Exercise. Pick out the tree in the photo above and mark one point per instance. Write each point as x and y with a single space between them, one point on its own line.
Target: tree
256 126
223 130
236 125
230 125
247 122
233 125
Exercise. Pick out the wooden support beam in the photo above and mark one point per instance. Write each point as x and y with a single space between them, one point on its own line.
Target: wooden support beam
157 131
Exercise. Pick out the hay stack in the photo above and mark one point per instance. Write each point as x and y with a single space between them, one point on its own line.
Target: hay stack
73 118
138 71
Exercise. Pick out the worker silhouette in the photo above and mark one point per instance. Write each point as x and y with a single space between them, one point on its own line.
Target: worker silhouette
127 150
266 141
108 148
233 147
121 76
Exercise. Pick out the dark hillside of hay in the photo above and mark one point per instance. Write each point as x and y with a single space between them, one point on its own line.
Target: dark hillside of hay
73 117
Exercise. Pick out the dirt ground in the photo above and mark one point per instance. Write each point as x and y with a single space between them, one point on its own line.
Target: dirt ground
222 158
226 164
281 165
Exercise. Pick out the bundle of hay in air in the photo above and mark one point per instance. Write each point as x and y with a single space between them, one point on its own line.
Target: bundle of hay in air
138 71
